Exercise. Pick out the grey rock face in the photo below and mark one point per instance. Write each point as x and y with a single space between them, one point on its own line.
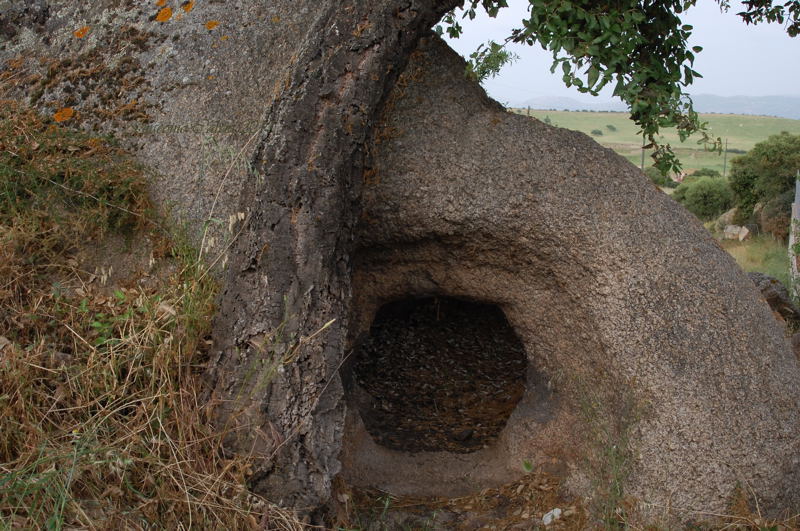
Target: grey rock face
648 341
187 100
777 296
646 330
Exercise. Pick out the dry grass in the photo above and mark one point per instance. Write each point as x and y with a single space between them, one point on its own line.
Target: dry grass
100 421
517 505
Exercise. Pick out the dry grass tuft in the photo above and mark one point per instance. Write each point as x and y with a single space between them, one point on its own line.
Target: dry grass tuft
100 421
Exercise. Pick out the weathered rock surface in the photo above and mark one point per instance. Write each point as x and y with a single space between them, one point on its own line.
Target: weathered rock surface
777 296
648 341
725 219
736 232
187 100
645 329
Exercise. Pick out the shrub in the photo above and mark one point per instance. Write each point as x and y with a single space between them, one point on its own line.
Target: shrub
766 171
776 215
611 128
99 419
658 178
706 172
680 192
597 132
706 198
743 183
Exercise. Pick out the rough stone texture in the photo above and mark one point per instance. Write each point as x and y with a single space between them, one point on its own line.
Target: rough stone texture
188 101
644 327
300 84
726 219
777 296
641 332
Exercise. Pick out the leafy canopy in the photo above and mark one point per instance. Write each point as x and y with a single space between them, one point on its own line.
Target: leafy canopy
640 47
766 171
706 198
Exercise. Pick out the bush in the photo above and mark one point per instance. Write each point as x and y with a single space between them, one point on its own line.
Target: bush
776 215
706 172
743 183
597 132
699 174
611 128
706 198
766 171
658 178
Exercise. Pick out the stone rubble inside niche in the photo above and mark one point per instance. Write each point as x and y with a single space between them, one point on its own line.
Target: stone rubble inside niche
439 374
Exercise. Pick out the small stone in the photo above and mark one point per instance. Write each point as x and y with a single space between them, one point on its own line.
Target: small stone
551 516
463 435
731 232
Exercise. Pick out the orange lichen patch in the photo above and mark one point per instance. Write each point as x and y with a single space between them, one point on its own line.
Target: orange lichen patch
14 64
211 24
82 32
164 15
211 78
188 6
64 114
224 38
161 3
276 19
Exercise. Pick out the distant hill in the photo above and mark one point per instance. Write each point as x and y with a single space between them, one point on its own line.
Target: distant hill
564 103
780 106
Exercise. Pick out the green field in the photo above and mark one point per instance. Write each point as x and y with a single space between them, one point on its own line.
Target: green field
764 254
741 131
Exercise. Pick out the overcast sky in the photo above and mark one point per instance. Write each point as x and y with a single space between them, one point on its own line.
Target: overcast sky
737 60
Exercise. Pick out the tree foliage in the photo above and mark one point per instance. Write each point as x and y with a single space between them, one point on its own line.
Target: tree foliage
706 198
659 179
639 47
766 171
787 13
488 60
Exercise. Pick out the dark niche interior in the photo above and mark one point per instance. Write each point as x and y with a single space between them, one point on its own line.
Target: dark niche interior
438 374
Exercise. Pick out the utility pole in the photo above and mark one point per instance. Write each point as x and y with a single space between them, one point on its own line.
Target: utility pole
725 159
642 151
793 229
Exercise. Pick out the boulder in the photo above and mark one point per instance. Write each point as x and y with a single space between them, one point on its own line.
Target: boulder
796 345
645 339
778 298
653 364
186 95
726 219
736 232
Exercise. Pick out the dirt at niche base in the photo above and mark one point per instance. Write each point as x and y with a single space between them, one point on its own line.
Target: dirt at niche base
440 374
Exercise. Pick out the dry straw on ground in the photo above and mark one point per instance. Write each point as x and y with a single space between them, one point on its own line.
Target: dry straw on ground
100 423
